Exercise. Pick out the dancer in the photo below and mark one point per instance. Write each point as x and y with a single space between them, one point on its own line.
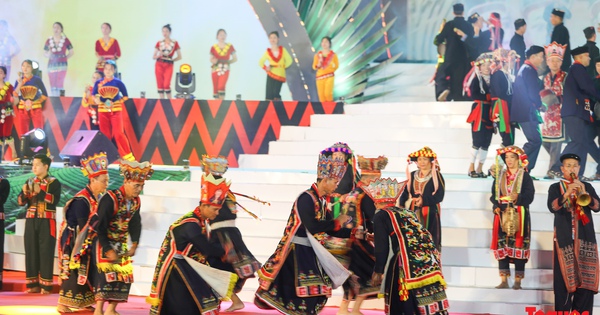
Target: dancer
292 280
325 62
89 100
501 90
29 96
278 60
425 191
360 257
41 194
8 47
58 49
494 36
413 280
117 219
553 128
180 284
107 48
517 42
4 192
76 290
527 104
477 87
575 247
341 150
163 54
111 95
560 34
222 55
6 115
512 193
225 235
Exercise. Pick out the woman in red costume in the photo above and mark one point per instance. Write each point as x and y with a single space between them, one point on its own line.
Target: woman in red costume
222 54
6 114
163 54
29 97
58 49
107 48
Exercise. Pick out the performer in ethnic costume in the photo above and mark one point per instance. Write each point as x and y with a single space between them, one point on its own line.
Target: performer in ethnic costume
29 97
501 92
111 95
298 278
117 219
222 55
89 100
76 290
164 51
325 62
59 49
575 247
477 87
413 282
4 192
8 47
278 60
361 255
225 235
341 150
425 191
512 193
183 281
107 48
553 129
41 194
6 115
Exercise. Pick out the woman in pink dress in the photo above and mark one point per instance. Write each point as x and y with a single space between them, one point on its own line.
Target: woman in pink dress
58 49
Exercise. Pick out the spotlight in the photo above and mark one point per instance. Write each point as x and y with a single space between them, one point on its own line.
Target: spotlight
32 143
185 82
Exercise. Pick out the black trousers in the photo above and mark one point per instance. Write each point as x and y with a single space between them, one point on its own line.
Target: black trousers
1 251
508 139
504 267
273 89
40 242
457 71
578 130
581 300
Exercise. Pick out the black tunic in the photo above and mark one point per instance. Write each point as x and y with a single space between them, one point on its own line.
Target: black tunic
560 34
517 43
594 53
456 49
4 191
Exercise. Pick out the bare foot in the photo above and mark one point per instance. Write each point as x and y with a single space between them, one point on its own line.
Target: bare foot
517 286
44 291
502 285
63 309
98 311
33 290
357 312
111 313
342 312
235 306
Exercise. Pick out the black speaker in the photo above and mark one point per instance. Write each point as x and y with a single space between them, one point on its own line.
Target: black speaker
85 143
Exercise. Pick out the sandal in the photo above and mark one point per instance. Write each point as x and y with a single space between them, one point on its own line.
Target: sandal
473 174
482 175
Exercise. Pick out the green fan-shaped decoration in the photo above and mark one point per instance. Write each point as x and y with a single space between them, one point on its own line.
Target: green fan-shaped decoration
353 31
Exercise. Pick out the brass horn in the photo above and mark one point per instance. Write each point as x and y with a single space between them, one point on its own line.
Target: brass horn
583 198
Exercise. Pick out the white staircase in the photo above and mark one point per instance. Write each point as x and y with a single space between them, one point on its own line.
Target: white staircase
393 129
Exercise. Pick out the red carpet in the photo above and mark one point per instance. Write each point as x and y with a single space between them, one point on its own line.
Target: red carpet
14 301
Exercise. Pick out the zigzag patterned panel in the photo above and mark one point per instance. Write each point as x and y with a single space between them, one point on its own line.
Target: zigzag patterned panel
170 131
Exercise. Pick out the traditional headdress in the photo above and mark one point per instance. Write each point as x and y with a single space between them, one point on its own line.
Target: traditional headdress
136 171
501 153
213 191
328 167
384 190
435 167
344 148
555 50
216 165
372 166
94 165
482 59
495 32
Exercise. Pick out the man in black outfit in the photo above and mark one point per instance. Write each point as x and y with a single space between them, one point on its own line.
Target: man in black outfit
4 192
590 36
517 42
560 34
456 59
476 43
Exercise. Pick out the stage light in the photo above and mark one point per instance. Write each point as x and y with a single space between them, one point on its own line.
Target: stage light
35 66
185 82
32 143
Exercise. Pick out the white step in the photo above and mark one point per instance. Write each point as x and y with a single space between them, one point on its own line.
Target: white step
427 108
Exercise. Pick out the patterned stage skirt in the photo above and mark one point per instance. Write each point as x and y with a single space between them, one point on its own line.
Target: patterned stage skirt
71 293
109 285
185 292
362 260
300 288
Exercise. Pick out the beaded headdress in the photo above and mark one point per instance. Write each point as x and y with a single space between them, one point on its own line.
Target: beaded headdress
384 190
372 166
523 162
329 167
136 171
95 165
435 167
555 50
216 165
213 191
344 148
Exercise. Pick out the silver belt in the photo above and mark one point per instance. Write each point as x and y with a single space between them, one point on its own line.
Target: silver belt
222 224
301 241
